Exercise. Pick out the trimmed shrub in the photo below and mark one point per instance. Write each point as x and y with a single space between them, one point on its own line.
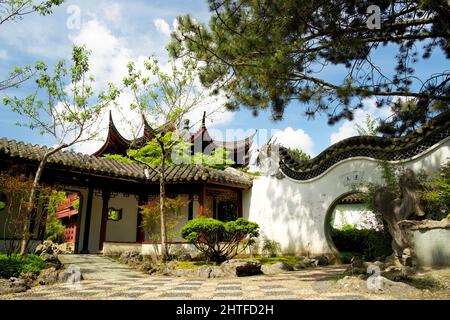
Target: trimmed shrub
14 265
368 244
220 241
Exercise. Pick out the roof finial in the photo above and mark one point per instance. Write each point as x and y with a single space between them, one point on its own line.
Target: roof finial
204 120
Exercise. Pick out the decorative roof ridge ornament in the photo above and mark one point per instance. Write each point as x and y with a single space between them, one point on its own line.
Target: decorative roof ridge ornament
268 159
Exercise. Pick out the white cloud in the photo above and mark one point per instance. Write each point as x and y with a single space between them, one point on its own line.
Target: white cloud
112 11
3 54
162 26
108 61
295 139
348 128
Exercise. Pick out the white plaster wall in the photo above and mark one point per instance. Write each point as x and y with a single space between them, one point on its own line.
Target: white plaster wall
432 247
293 212
126 228
96 222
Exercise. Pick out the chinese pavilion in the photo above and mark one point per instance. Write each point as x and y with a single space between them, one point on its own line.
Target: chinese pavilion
238 151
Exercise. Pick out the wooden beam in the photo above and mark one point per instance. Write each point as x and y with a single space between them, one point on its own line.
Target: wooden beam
106 195
87 222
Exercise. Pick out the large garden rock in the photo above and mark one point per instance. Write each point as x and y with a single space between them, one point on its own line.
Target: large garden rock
131 258
48 276
241 268
204 271
321 260
13 285
306 263
277 268
49 247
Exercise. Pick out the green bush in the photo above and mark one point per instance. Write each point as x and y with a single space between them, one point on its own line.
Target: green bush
271 247
54 229
220 241
368 244
436 195
14 265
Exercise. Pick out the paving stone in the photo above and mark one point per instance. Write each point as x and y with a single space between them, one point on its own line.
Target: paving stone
234 288
82 294
128 294
272 287
279 293
228 294
176 294
148 287
185 288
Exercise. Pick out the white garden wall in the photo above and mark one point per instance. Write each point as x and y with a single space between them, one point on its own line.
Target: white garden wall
294 213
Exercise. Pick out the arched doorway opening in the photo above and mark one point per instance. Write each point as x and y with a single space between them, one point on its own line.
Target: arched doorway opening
352 229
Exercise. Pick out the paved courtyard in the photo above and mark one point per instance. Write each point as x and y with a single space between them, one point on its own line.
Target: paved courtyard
108 279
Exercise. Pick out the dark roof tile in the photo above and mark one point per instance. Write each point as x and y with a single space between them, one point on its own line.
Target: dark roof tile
113 168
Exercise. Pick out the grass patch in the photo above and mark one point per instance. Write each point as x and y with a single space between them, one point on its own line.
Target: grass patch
269 261
335 280
193 265
14 265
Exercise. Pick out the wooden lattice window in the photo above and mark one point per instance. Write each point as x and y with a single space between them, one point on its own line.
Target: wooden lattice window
115 214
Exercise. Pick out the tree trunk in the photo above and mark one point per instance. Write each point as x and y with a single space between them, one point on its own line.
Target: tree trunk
162 203
395 208
32 198
31 202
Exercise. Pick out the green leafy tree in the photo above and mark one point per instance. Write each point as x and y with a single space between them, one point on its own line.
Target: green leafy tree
166 98
14 10
69 114
436 194
264 54
54 229
151 217
300 154
369 128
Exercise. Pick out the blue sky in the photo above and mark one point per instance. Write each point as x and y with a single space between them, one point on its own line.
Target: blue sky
121 31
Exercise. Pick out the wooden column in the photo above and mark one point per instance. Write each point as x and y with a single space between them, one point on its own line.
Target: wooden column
214 207
87 222
202 199
191 207
106 195
240 210
140 233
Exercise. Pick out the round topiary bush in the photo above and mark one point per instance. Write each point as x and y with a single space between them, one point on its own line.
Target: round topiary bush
220 241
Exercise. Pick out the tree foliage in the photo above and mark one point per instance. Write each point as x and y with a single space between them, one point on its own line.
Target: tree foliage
69 112
17 222
218 240
264 54
54 229
165 98
436 194
300 154
14 10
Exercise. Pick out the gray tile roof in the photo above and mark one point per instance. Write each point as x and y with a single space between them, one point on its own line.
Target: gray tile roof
111 168
391 149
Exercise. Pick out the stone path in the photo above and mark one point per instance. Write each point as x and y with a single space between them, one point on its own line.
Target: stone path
108 279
